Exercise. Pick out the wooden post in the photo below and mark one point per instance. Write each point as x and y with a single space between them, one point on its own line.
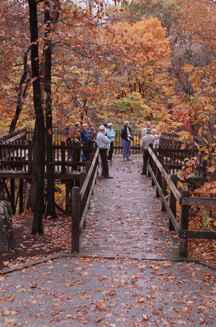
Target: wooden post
12 199
145 161
29 157
158 177
172 202
63 168
68 188
153 170
21 190
184 221
163 188
76 215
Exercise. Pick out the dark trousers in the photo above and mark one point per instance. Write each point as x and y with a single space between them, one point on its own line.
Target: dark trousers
104 162
145 159
111 149
86 151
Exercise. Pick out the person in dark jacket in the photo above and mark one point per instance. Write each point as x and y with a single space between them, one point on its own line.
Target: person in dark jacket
74 147
85 139
126 136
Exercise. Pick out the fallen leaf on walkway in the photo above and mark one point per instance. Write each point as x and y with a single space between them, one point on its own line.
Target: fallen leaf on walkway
101 305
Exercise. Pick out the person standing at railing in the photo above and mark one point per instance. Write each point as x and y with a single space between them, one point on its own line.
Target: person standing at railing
85 139
110 133
148 126
126 136
147 140
103 144
74 146
92 135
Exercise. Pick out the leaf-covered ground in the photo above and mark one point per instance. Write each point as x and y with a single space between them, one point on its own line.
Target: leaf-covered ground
108 293
29 248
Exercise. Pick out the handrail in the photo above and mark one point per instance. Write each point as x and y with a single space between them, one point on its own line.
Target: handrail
172 186
80 202
7 138
170 195
89 174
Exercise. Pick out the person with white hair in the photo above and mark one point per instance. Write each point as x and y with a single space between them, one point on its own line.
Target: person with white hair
126 137
147 140
103 144
148 126
110 133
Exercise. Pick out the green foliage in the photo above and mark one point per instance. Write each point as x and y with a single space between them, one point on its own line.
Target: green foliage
133 103
165 10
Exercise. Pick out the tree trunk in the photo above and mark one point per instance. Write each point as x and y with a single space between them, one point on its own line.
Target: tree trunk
48 111
38 146
22 91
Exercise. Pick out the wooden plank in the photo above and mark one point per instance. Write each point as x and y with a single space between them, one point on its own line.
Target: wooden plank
210 235
207 201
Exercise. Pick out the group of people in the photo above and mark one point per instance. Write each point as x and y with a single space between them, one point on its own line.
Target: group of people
85 138
81 138
105 142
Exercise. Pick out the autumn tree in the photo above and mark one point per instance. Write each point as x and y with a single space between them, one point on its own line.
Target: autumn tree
38 145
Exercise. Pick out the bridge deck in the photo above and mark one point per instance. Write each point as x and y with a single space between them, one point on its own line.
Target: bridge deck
125 218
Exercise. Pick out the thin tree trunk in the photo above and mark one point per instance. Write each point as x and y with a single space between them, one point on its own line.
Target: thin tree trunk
39 131
48 111
22 90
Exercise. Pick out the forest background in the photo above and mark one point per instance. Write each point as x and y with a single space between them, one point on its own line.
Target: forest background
115 61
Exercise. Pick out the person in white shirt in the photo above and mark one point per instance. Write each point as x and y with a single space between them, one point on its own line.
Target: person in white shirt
110 133
103 144
148 126
147 140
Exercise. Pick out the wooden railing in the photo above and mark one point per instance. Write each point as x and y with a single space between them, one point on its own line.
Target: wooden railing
80 202
172 199
17 136
16 159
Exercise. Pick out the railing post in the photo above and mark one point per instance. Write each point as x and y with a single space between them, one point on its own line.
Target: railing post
68 200
30 157
63 168
21 197
145 161
172 202
158 177
163 188
76 214
153 170
184 222
12 197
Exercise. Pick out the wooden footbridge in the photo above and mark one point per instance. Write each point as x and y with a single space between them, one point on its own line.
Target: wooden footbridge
162 165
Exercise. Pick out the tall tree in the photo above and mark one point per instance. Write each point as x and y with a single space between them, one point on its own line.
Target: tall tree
39 130
48 109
